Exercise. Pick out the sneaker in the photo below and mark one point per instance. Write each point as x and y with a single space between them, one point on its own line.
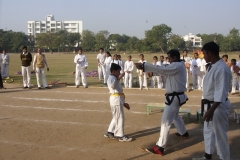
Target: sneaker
47 87
85 86
77 86
125 139
188 90
25 87
109 135
158 150
146 88
39 88
185 135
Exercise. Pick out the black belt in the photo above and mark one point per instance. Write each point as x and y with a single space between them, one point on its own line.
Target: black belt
169 101
205 101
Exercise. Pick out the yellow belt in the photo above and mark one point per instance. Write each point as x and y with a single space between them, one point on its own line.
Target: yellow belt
118 94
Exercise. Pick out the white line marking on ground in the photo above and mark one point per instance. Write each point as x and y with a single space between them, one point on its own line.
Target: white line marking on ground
87 101
129 94
36 145
69 109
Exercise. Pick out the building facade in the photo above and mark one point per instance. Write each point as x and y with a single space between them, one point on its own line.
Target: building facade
50 25
196 41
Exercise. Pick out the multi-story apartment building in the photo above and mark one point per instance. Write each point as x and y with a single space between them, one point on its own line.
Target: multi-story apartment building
50 25
196 41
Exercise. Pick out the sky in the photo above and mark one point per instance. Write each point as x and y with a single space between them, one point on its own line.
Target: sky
130 17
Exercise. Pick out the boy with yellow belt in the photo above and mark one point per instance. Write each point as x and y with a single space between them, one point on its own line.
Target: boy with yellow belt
117 101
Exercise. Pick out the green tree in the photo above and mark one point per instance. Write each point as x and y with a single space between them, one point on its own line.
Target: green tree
88 40
158 37
176 42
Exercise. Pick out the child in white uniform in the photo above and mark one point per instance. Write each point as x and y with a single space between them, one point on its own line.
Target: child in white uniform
142 75
81 66
156 78
196 73
128 69
187 61
117 102
107 65
235 77
5 59
100 59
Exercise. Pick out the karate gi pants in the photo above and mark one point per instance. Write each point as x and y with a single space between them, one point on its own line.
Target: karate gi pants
5 70
156 79
80 72
215 132
170 115
101 72
188 79
197 81
26 73
117 124
143 80
40 73
107 73
128 80
234 85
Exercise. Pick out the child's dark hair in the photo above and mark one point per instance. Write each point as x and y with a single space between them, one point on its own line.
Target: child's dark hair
225 55
234 60
141 55
114 67
162 57
24 47
185 50
129 56
155 57
109 53
101 49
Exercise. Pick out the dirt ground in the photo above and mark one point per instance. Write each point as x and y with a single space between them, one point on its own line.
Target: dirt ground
69 123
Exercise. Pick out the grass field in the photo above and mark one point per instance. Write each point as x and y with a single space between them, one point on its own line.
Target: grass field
61 65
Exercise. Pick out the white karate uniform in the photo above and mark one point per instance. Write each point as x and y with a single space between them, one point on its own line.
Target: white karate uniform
128 66
101 70
40 72
203 69
142 76
235 79
107 64
215 89
122 63
81 63
156 78
189 61
176 82
164 77
196 73
5 59
116 103
238 64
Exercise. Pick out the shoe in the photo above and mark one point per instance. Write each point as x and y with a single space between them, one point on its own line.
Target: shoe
47 87
85 86
77 86
25 87
125 139
185 135
39 88
147 88
109 135
158 150
188 90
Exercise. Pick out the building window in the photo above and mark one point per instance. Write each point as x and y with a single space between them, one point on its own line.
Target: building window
30 30
42 25
29 25
52 25
37 29
37 24
73 24
58 24
43 30
66 24
53 30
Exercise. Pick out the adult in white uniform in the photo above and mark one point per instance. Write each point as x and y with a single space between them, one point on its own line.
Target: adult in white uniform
175 96
161 77
142 75
5 59
100 60
156 78
195 72
128 69
39 63
117 102
215 103
187 61
81 66
107 65
238 64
